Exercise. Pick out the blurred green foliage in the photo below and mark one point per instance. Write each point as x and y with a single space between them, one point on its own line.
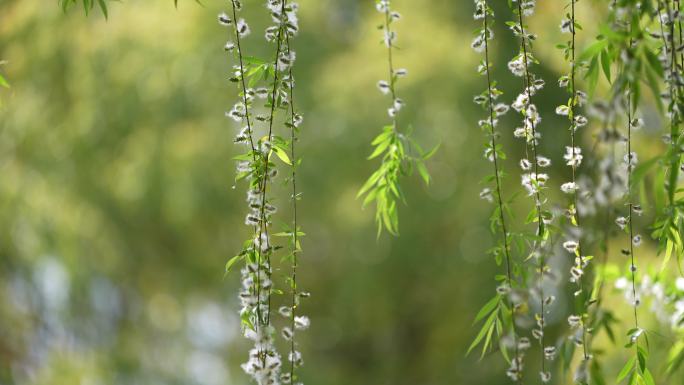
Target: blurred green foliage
117 213
88 5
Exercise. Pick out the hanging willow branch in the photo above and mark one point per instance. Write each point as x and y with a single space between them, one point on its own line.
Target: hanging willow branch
258 167
608 189
255 278
534 181
296 320
394 146
501 309
252 166
573 158
635 369
668 226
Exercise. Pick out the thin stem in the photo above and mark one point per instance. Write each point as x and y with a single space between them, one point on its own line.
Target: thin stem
573 128
632 266
243 85
295 249
242 78
389 39
264 230
509 274
679 27
631 206
540 227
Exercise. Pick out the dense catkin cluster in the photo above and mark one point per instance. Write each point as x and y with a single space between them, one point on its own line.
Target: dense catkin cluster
533 180
504 312
640 47
669 33
400 154
666 299
671 60
258 109
264 362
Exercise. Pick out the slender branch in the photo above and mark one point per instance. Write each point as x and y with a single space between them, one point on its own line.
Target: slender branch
245 101
390 61
242 79
631 205
263 231
295 239
669 47
634 338
681 33
574 165
540 225
497 177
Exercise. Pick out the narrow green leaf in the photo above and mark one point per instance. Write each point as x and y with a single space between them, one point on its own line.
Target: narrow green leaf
380 149
483 332
487 308
422 170
103 7
626 369
432 152
232 262
648 377
605 65
282 155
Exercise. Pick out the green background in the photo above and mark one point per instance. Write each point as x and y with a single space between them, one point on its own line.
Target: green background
118 211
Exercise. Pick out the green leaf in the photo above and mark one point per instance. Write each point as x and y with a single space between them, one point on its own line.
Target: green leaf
103 7
483 332
244 318
3 82
369 183
605 65
64 4
253 60
652 82
641 356
675 357
381 138
432 152
487 308
626 369
488 339
380 149
648 377
282 155
669 246
654 62
593 50
592 74
422 170
233 261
